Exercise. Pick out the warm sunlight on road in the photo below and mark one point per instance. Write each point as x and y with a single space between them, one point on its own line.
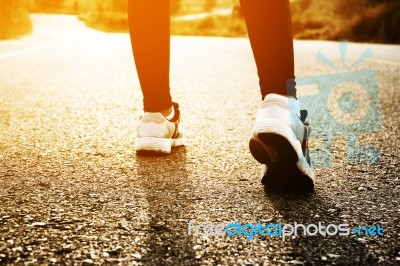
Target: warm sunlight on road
72 188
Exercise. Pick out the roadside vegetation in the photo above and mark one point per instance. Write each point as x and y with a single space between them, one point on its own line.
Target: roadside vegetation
14 19
355 20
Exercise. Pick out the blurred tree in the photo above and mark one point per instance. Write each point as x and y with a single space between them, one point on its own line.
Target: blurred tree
54 6
46 6
14 18
304 4
175 6
209 5
369 20
237 11
108 15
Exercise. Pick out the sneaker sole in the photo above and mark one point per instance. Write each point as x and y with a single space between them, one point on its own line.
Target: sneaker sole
272 144
154 146
283 173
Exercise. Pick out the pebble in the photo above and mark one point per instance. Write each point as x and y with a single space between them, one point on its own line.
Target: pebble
295 262
361 189
19 249
333 255
324 258
137 256
196 247
38 224
88 261
93 254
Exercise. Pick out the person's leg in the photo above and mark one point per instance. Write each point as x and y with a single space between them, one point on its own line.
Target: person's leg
280 133
270 33
149 24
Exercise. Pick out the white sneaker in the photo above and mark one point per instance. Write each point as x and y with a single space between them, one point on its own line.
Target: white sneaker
156 134
279 142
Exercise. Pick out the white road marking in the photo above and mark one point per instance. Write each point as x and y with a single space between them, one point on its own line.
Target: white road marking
30 49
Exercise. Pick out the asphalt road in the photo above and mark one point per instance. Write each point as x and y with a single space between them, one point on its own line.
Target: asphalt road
73 190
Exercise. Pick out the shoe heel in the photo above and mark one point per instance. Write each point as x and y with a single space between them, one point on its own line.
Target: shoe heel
151 144
278 148
272 148
259 152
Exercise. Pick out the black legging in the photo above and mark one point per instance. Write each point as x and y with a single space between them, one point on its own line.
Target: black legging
269 28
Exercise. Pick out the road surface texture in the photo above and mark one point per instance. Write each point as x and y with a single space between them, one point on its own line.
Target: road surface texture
73 190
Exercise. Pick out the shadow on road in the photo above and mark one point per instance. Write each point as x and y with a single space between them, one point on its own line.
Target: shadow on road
311 208
168 189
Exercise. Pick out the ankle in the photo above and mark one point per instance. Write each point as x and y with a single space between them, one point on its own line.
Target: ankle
167 112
